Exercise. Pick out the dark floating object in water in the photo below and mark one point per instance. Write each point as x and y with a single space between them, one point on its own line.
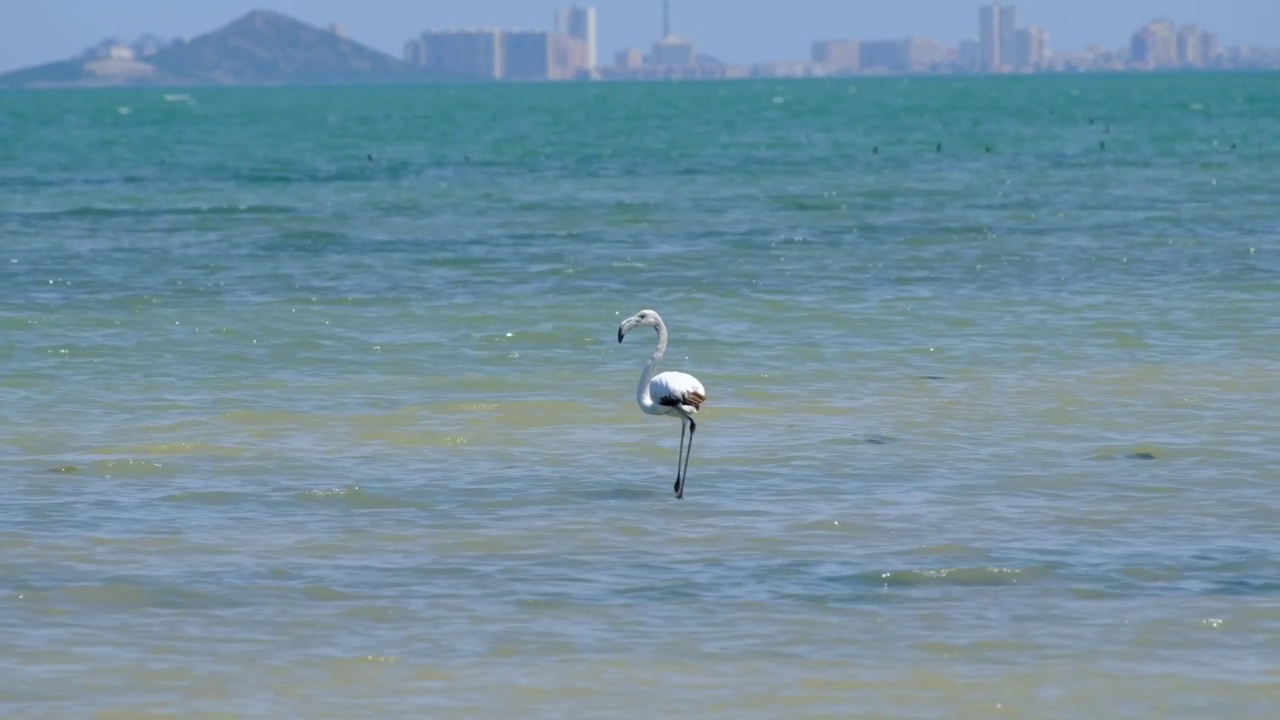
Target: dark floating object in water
1107 129
878 440
932 377
369 156
939 147
875 150
1090 121
65 469
466 158
1233 146
1141 456
988 148
1102 144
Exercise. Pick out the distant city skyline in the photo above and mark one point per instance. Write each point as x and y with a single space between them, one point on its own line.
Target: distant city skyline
736 32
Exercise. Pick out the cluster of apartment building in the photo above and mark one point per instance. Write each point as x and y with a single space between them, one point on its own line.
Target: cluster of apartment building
564 53
850 56
1161 44
1001 46
143 47
670 57
568 51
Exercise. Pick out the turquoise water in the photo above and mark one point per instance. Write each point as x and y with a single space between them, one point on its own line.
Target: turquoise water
312 404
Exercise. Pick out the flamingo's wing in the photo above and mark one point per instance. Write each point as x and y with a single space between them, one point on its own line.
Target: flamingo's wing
677 389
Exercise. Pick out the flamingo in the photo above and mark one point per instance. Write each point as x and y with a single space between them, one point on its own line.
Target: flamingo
670 393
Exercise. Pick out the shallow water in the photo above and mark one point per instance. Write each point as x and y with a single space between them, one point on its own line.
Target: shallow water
313 406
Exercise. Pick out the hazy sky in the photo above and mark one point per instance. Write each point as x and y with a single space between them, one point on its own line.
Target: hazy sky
745 31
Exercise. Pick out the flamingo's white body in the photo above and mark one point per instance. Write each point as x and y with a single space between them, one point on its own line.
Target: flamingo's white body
670 393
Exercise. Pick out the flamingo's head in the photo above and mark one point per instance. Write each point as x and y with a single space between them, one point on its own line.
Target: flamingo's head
643 318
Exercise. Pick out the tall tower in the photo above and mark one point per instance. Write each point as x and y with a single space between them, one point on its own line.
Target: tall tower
1008 36
671 51
989 38
579 22
997 37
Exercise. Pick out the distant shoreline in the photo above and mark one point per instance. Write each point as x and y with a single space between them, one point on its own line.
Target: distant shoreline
179 86
268 49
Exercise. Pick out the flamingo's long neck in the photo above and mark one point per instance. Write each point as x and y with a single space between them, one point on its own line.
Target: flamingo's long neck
642 390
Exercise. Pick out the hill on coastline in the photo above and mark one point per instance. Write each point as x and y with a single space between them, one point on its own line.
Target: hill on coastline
260 48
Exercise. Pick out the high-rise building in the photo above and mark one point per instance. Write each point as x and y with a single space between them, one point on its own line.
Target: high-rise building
1155 45
989 38
526 55
968 55
925 53
1209 46
1190 46
1008 36
568 57
628 59
541 55
492 54
837 56
882 56
672 51
1031 48
415 52
462 54
997 37
913 54
579 22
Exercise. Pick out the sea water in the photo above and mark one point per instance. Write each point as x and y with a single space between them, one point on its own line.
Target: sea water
312 404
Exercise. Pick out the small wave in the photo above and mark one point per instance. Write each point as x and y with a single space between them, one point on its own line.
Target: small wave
949 549
290 239
90 211
324 593
957 576
622 493
172 449
332 492
271 418
207 497
365 660
1141 452
412 438
810 204
130 594
353 497
473 406
128 468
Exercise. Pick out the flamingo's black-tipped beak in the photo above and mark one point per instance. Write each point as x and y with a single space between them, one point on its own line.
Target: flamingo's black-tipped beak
626 325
